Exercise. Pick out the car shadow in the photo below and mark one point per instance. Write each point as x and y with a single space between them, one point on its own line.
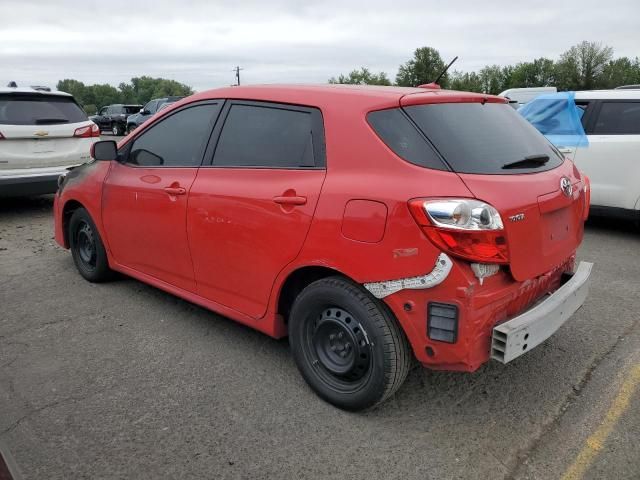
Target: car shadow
21 205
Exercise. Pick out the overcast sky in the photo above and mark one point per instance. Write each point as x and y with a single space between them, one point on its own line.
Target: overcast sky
198 42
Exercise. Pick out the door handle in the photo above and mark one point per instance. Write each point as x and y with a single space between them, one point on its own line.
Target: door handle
565 149
175 190
293 200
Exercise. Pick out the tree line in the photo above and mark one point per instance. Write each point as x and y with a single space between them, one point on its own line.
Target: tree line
585 66
138 91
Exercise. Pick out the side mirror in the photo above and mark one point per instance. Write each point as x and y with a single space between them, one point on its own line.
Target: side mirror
105 150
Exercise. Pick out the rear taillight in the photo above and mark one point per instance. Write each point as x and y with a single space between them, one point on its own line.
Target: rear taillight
466 228
87 132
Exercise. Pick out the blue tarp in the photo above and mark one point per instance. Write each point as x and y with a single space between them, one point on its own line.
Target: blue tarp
558 118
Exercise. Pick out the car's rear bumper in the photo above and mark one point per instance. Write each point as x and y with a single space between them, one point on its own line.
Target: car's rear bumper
529 329
38 181
479 308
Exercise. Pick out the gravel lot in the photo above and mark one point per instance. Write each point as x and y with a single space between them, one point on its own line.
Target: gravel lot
121 380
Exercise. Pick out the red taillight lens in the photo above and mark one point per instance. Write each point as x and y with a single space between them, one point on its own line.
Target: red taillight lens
87 132
466 228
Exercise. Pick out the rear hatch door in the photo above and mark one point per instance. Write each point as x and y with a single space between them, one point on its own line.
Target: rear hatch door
38 131
507 163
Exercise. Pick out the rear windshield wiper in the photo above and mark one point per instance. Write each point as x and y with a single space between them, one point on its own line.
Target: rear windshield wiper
532 161
50 121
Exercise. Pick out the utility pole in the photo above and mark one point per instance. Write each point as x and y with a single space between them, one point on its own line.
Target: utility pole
237 70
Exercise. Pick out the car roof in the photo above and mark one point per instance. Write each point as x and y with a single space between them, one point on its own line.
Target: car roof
621 94
33 90
368 96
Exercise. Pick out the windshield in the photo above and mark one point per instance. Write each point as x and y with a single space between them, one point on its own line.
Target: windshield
38 109
483 138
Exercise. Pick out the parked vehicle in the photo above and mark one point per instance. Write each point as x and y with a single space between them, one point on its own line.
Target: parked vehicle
521 96
42 133
153 106
113 118
324 213
603 139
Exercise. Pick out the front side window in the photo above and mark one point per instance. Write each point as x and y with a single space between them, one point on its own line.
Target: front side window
176 141
618 118
256 136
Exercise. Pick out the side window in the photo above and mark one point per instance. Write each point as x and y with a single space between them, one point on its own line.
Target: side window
257 136
402 137
176 141
618 118
103 111
582 106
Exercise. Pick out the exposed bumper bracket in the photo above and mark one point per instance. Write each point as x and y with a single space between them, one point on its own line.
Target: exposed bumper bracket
529 329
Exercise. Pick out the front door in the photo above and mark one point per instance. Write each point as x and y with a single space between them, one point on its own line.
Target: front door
145 196
250 211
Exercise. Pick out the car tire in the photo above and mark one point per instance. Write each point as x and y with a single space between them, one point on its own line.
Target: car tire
347 345
87 248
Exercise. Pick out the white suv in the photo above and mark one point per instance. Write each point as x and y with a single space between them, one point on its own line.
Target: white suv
42 133
611 155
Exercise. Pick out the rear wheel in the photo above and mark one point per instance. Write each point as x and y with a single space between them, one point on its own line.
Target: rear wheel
87 248
347 346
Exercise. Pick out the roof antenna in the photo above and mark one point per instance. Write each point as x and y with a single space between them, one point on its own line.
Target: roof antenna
434 85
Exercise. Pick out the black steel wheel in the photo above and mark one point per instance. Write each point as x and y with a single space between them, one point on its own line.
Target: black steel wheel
347 345
87 248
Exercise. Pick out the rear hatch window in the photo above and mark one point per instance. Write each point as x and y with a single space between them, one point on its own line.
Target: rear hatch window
484 138
38 109
474 138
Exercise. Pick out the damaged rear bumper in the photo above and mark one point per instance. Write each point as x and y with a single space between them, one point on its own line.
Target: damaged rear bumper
529 329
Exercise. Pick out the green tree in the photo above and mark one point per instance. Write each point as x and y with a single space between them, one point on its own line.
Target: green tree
493 79
465 81
424 67
580 67
362 77
539 73
621 71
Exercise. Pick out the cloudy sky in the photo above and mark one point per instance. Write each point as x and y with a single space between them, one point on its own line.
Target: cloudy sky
198 42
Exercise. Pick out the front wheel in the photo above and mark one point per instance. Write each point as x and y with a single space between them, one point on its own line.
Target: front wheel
346 344
87 248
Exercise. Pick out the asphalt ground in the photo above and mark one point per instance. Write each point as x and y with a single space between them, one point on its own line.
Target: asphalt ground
121 380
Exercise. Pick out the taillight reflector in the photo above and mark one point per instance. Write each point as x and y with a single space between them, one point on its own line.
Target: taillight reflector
87 132
473 232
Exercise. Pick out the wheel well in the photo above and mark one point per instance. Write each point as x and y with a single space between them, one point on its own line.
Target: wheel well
296 282
69 207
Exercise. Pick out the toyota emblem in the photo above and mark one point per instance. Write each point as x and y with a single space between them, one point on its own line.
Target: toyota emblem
566 187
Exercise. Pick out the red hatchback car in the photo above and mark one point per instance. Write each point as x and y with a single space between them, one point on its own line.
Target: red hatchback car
371 225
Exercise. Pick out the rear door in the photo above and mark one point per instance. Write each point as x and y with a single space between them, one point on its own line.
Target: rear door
250 209
38 131
144 202
612 159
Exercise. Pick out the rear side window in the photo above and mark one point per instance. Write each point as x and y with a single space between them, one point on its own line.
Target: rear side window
257 136
131 109
618 118
401 136
176 141
483 138
17 109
